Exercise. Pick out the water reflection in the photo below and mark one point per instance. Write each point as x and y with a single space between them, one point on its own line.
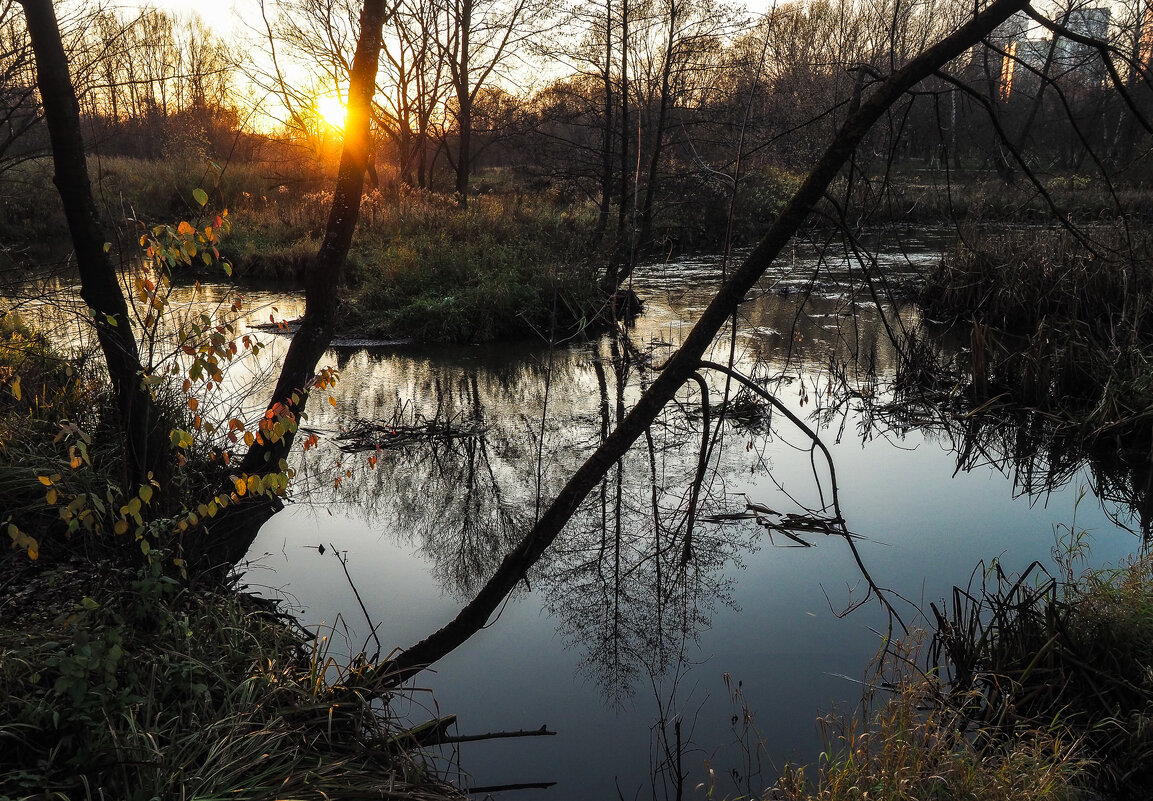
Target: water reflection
472 440
1037 454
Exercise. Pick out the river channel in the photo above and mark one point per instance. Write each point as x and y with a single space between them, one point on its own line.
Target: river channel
645 650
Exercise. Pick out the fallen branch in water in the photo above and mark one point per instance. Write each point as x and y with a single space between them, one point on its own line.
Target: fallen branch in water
365 435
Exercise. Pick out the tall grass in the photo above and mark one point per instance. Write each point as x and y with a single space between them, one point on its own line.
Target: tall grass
423 268
125 684
912 744
1055 322
1033 651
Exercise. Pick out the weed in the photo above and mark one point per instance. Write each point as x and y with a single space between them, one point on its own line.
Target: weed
913 746
146 688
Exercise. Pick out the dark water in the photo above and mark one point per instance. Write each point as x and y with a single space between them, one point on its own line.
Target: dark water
617 640
643 648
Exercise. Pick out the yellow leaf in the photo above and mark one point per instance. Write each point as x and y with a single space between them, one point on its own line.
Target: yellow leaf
120 527
50 497
184 229
45 480
16 387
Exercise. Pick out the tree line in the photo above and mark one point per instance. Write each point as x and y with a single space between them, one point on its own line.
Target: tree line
641 107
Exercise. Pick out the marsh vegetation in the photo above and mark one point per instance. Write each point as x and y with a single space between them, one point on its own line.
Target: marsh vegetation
694 247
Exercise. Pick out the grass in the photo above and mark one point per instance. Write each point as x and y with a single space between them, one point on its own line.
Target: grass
1034 650
912 746
1039 686
134 686
421 268
1057 323
122 678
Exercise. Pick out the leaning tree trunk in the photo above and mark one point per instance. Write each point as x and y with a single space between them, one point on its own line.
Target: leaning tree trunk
144 450
322 276
231 534
687 359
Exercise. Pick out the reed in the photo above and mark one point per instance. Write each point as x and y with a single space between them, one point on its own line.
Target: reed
1033 651
1055 321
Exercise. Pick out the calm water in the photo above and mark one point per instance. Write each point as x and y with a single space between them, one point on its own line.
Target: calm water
617 639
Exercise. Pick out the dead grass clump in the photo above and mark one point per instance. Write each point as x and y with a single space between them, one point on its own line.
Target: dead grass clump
132 683
1031 652
1055 323
914 746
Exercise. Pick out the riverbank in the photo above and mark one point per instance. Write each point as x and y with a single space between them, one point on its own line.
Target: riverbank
1029 686
1058 324
515 262
143 686
118 670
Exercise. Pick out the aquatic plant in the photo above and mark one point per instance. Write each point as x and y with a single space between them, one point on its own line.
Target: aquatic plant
1055 321
1035 652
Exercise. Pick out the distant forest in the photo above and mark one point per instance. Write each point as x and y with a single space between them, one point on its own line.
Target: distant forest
631 105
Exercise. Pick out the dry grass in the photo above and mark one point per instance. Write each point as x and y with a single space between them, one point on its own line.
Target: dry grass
912 746
1055 323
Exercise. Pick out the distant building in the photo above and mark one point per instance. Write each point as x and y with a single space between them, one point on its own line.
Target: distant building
1079 60
1025 57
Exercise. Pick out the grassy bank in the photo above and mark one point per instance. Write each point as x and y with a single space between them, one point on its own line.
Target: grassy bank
1055 322
425 269
129 684
121 677
1038 687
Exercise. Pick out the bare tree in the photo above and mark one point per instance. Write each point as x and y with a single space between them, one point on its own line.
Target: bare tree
480 36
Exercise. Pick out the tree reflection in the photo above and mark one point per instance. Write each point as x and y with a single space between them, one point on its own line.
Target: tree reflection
1037 452
454 474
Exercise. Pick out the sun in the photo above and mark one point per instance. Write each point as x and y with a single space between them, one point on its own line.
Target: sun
330 109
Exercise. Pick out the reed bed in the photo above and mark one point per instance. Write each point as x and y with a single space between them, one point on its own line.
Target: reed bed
1037 685
1059 322
1033 652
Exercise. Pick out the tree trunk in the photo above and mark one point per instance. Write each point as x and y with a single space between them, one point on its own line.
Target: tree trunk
144 445
687 359
464 98
231 535
646 222
606 182
322 277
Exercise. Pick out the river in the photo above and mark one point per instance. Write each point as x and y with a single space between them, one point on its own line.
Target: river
644 650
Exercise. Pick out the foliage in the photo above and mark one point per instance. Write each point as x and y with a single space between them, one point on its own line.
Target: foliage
61 454
913 746
129 682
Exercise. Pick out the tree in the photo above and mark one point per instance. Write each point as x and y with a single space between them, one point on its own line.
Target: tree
479 37
146 442
144 451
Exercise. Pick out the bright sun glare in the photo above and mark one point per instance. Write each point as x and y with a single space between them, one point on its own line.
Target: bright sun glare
331 110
